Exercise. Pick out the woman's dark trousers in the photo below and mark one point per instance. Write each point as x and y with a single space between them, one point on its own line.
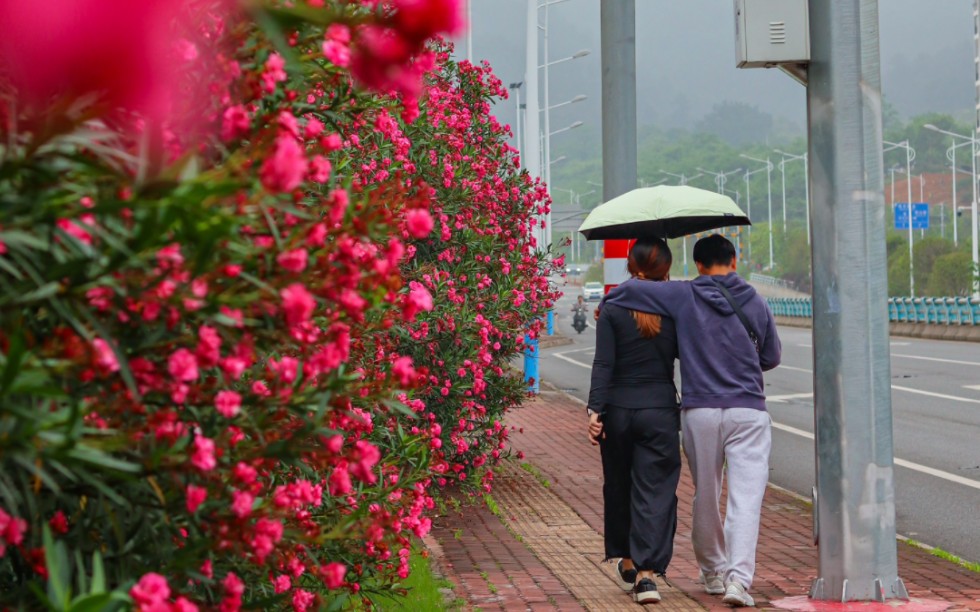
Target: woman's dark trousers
641 466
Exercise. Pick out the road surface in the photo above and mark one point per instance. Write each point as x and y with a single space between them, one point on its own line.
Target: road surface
936 422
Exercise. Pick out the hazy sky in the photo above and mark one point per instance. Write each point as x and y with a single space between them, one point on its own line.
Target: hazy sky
686 59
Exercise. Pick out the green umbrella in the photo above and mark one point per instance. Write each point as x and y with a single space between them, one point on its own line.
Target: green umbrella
662 211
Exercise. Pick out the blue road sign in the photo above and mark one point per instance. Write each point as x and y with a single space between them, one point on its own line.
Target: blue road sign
920 215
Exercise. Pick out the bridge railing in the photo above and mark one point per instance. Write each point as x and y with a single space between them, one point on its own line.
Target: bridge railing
932 310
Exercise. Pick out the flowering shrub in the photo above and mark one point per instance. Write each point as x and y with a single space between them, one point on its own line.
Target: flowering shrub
252 307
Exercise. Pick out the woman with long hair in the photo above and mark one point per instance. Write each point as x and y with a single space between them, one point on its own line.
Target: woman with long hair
635 420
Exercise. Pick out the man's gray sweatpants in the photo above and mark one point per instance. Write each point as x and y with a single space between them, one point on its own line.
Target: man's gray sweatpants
742 438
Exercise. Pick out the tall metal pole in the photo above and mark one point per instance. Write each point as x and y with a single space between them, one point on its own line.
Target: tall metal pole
769 189
974 219
908 184
748 211
855 501
469 31
547 122
806 194
956 238
782 171
532 129
618 30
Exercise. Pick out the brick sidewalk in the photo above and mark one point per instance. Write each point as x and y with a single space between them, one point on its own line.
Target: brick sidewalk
545 550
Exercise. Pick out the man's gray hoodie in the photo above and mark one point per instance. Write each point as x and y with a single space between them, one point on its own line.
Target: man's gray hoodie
720 367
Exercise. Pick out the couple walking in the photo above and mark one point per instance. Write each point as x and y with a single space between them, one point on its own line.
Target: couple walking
725 337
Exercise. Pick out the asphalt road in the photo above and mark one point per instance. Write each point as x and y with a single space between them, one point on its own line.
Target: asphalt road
936 423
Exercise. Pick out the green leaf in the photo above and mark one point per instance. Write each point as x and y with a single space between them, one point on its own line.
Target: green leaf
96 602
14 357
98 573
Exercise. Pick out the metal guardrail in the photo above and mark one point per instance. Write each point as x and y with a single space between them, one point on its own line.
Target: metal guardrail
772 281
931 310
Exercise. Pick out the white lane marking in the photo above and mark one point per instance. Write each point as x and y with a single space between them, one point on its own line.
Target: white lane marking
972 387
805 345
956 361
570 360
900 343
578 350
786 398
955 398
974 484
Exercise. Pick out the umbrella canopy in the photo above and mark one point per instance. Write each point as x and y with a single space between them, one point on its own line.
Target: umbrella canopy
663 211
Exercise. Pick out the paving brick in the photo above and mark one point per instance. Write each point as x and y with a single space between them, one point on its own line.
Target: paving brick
557 513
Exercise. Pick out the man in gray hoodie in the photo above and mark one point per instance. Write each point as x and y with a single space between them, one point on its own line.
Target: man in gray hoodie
723 405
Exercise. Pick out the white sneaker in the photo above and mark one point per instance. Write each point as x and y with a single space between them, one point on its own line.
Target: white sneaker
736 596
714 584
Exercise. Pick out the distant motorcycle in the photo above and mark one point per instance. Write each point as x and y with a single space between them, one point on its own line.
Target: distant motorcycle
578 320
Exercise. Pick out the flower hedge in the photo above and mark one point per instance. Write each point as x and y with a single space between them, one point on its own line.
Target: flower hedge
257 305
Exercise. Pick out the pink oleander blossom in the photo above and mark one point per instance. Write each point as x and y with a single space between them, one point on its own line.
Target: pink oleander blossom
285 168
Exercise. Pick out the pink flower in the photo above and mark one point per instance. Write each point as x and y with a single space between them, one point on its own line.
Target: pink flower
422 19
228 403
105 358
282 583
314 127
182 365
235 123
117 48
241 503
202 456
297 304
340 483
332 142
418 299
151 591
337 53
195 497
333 574
419 222
366 456
320 169
293 261
59 523
403 371
182 604
302 600
284 169
244 473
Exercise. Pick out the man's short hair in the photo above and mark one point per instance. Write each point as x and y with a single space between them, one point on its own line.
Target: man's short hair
714 250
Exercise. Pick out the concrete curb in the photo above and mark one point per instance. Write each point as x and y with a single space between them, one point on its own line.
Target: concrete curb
961 333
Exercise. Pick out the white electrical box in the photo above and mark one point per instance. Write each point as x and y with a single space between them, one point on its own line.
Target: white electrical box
771 32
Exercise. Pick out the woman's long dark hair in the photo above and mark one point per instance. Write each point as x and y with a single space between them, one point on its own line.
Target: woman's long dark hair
649 259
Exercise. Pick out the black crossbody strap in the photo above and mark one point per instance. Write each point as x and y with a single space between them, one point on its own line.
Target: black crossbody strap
754 337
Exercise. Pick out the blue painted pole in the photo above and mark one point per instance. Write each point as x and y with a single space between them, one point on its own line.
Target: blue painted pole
551 322
531 364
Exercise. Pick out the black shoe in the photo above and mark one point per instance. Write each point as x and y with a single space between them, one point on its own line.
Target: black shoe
627 576
645 592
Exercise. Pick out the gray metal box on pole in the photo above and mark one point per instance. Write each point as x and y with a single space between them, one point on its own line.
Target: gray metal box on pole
771 32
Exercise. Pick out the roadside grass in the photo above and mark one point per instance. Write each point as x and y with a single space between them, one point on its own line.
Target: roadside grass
945 555
423 586
533 471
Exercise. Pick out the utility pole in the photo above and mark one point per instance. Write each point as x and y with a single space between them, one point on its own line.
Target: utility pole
532 130
855 509
974 219
618 30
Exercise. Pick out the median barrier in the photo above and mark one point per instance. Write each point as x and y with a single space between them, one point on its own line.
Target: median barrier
936 318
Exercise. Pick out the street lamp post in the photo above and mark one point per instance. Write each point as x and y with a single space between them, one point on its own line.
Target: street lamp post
748 204
720 179
516 88
973 205
806 188
953 170
909 156
769 190
683 180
